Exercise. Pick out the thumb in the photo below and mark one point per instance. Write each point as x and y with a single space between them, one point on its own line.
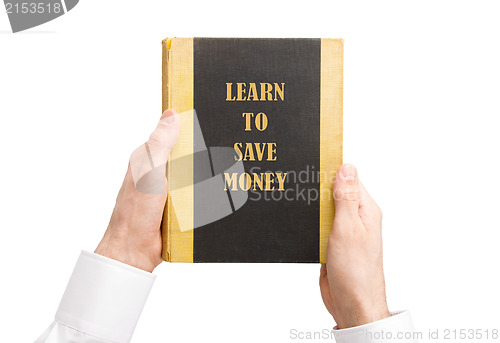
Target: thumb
346 191
163 138
148 162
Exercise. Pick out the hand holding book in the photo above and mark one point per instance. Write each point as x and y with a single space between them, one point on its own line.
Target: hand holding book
351 282
133 235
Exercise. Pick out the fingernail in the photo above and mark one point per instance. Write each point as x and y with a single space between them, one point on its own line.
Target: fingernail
348 172
167 117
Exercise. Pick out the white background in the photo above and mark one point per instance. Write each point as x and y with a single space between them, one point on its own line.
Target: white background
421 108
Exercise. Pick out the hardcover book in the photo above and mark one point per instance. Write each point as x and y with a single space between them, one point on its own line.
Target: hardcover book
250 178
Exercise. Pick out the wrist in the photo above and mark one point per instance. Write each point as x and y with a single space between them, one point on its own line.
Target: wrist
123 251
360 314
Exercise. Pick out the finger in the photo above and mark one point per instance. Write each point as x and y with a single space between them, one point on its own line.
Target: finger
346 191
324 287
322 270
323 277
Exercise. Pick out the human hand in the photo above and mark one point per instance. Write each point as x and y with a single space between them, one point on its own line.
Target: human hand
133 235
352 281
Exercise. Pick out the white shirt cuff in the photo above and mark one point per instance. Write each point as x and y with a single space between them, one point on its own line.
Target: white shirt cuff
397 328
104 298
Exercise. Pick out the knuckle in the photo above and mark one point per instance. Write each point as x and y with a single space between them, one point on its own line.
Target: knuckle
350 181
348 195
155 138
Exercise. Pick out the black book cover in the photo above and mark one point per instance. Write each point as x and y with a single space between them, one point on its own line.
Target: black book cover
250 178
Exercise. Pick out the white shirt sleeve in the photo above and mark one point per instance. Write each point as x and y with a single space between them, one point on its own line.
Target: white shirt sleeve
397 328
102 302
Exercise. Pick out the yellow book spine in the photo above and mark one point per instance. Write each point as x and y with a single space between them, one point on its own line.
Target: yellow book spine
177 94
166 252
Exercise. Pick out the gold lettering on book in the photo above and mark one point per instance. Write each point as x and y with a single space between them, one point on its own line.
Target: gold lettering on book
269 181
253 149
256 181
265 91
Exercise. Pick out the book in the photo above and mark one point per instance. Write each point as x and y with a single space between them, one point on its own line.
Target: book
250 178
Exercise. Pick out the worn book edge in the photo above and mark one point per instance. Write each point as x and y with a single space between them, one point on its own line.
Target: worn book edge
177 93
